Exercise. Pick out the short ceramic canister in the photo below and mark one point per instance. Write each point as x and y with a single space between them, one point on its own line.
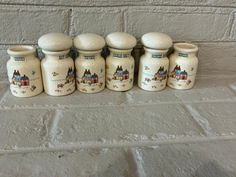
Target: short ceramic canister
90 65
24 71
120 63
183 66
154 64
57 66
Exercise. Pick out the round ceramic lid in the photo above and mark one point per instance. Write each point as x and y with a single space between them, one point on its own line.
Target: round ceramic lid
156 40
89 41
55 42
121 40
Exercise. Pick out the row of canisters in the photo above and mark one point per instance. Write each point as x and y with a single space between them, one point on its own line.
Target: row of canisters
59 74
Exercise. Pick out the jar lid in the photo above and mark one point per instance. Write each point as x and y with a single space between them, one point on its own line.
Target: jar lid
156 40
121 40
89 41
185 47
55 42
21 50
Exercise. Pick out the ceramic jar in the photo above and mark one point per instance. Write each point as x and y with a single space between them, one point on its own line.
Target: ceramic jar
120 63
154 64
24 71
183 66
90 66
57 66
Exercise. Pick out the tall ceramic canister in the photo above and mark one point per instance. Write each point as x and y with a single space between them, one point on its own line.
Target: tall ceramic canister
90 66
120 63
57 66
24 71
154 64
183 66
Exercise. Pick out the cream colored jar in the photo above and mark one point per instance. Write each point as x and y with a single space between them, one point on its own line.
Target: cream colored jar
183 66
120 63
24 71
90 66
57 66
154 64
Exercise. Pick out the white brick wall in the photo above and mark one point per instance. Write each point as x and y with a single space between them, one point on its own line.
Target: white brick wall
128 134
211 24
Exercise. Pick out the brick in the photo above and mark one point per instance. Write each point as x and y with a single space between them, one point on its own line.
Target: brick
125 123
26 24
216 118
24 128
217 58
83 163
76 99
226 3
96 20
208 89
181 23
184 160
137 96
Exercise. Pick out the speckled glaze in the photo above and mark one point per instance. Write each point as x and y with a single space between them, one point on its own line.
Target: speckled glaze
57 66
90 66
24 71
183 66
120 63
154 64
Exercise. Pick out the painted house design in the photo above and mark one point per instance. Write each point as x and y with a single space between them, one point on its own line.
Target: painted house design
89 78
70 75
19 80
121 74
178 74
160 75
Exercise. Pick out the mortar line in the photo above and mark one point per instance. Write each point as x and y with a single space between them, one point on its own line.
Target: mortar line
4 107
124 22
3 97
53 129
232 90
69 21
137 158
232 24
119 144
117 5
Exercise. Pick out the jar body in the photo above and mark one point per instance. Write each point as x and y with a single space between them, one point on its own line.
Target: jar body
58 73
119 70
182 70
90 72
24 74
153 70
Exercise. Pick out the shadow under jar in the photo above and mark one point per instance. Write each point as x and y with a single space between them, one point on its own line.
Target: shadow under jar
120 63
57 66
24 71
